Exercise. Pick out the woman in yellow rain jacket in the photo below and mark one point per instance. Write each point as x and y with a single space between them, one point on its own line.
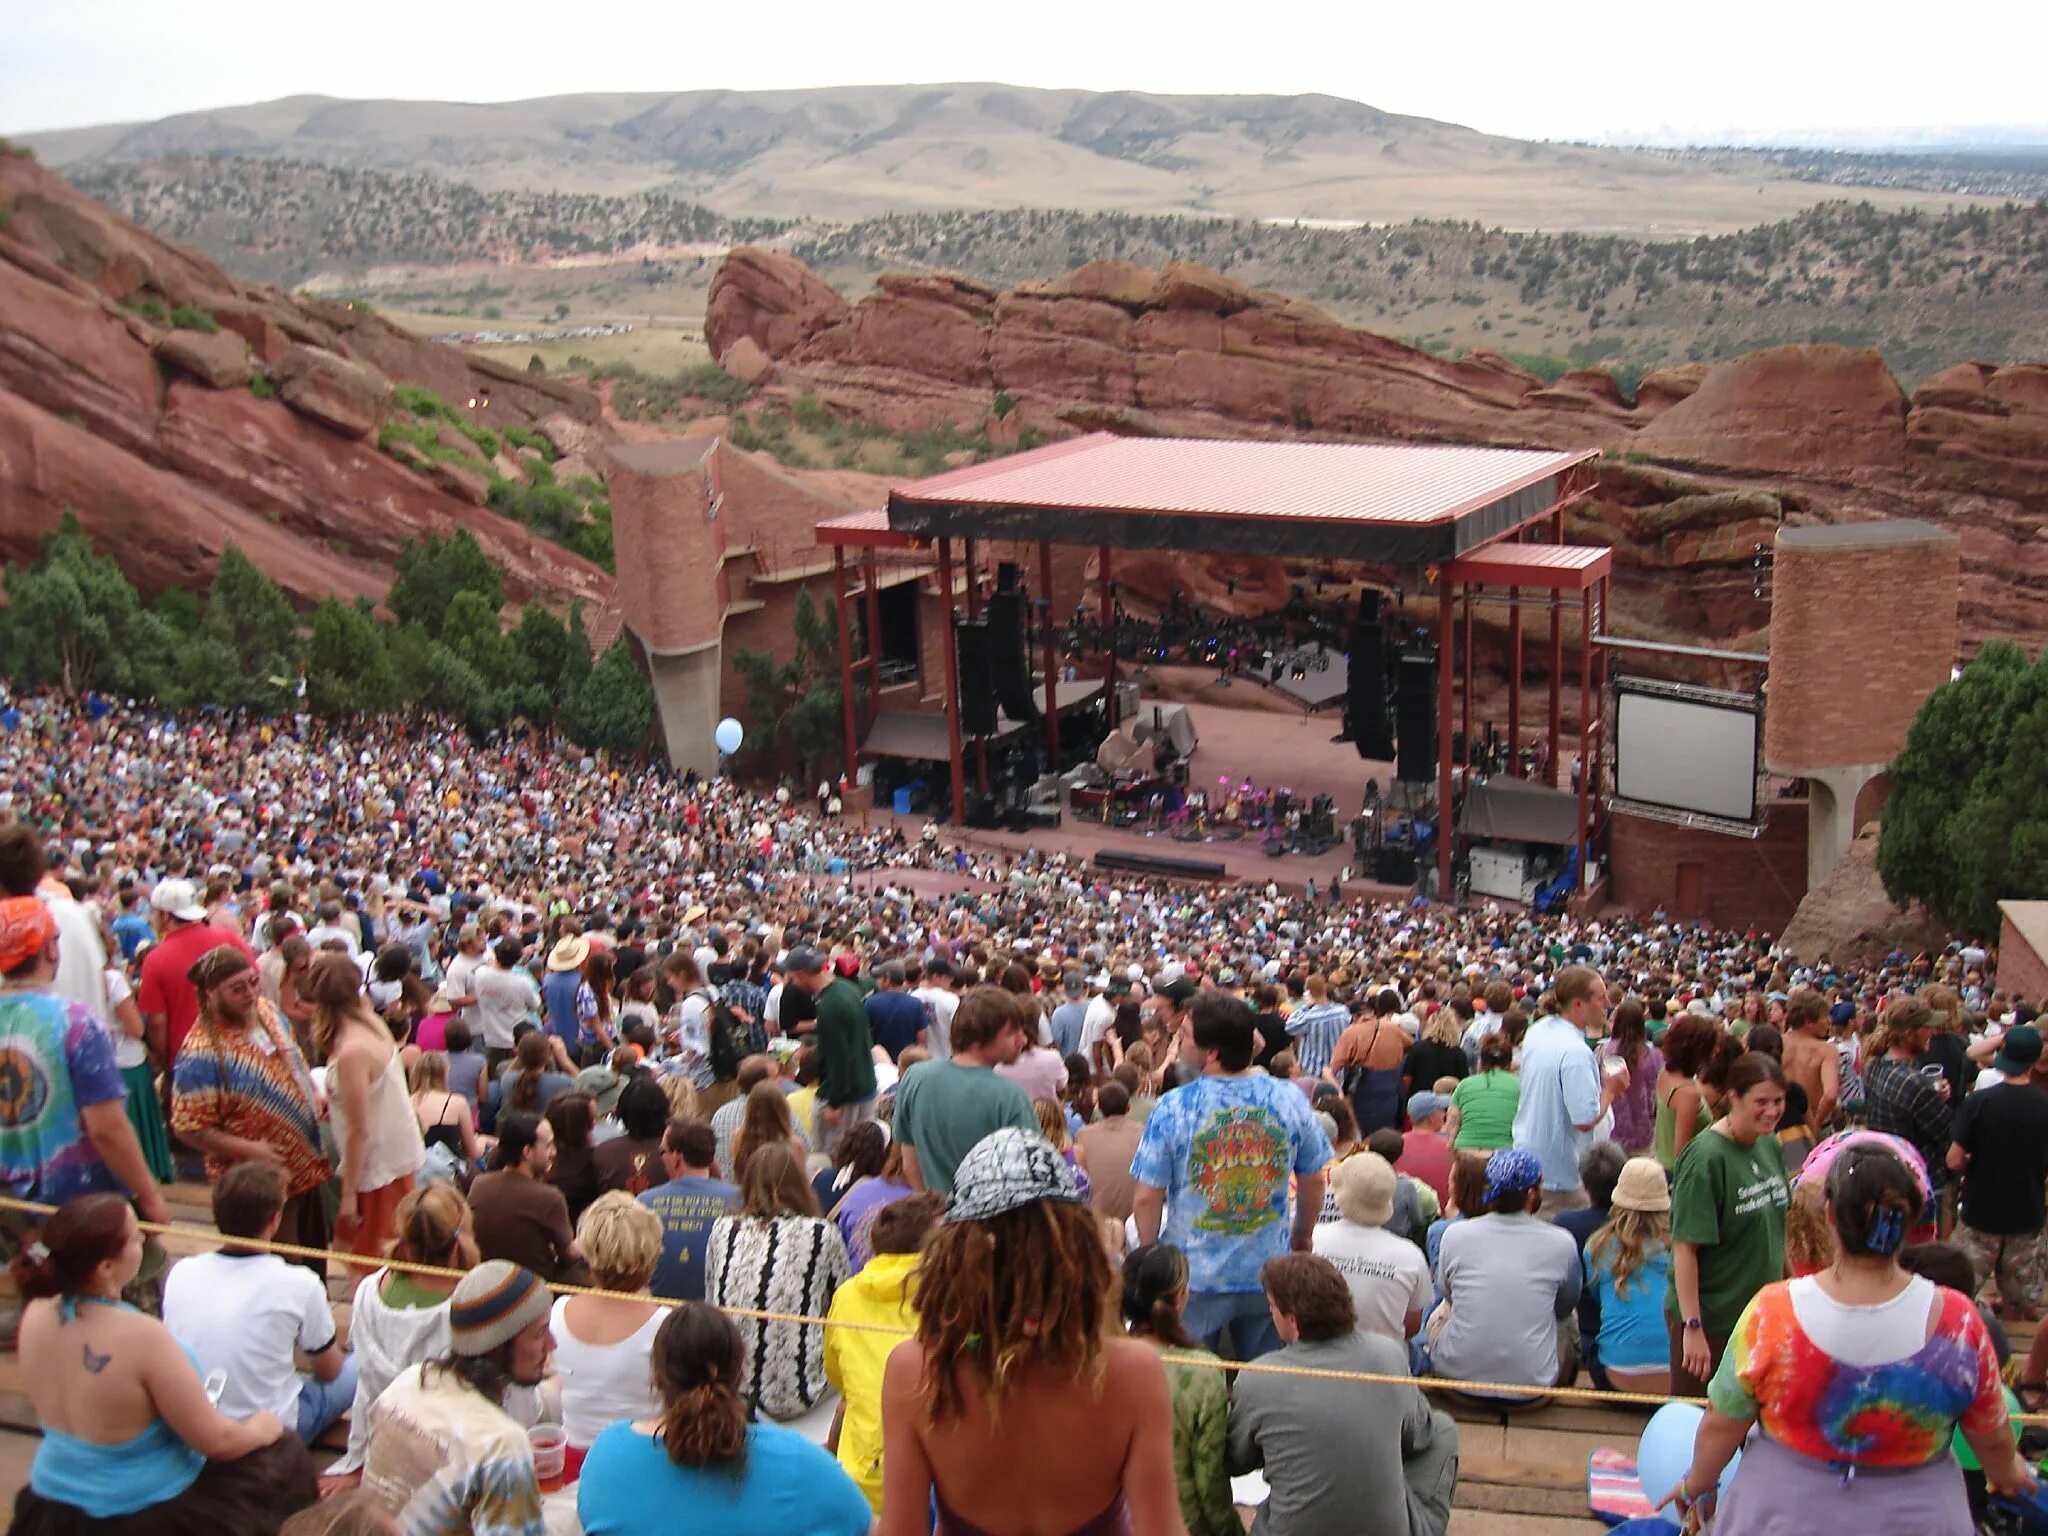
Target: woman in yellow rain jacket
855 1357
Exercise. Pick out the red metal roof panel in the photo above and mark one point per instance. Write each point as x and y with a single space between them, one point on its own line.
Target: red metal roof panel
1556 567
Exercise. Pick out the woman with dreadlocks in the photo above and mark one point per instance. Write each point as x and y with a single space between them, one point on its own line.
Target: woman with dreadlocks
1016 1304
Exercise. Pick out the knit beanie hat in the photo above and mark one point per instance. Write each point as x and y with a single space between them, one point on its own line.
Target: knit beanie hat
493 1304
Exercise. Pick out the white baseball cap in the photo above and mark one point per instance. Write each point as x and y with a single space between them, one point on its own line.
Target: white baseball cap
179 899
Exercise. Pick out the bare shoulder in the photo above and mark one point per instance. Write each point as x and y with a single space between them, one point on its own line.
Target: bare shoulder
1132 1366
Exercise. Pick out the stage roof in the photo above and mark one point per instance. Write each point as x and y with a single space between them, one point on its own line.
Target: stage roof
1549 567
1384 503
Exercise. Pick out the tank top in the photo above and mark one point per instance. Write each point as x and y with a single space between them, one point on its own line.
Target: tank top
1667 1126
445 1132
395 1148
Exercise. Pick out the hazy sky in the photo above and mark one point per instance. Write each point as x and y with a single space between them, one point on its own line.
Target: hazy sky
1570 69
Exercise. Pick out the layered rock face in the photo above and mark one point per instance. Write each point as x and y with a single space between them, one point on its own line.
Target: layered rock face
152 433
1701 467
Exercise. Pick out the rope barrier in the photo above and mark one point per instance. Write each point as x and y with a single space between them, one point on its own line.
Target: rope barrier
1522 1392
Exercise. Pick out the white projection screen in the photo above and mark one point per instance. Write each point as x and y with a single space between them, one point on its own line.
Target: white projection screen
1684 755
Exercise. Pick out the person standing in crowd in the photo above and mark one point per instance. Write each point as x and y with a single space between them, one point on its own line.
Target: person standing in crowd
559 990
505 998
519 1215
1388 1275
241 1093
1212 1172
374 1122
701 1463
1728 1203
130 1444
765 1122
940 1002
1072 1013
777 1254
631 1161
170 999
1627 1275
1484 1105
1104 1150
1426 1146
1015 1301
878 1302
73 1136
846 1063
687 1204
460 982
243 1312
1913 1361
1316 1026
1155 1293
444 1455
1635 1106
2000 1148
1564 1090
1435 1056
1810 1059
602 1343
1367 1061
1499 998
1365 1459
896 1020
1897 1096
944 1107
1510 1285
1689 1046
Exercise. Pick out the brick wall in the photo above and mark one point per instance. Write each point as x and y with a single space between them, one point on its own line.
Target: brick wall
1742 882
2022 971
668 576
1863 628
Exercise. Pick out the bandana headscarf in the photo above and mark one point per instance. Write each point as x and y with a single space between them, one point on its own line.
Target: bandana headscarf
1510 1171
26 929
216 966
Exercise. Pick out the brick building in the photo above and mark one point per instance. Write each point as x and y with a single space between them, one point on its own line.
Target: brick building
2023 950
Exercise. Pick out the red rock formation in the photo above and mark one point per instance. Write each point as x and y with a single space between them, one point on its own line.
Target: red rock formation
1814 433
151 435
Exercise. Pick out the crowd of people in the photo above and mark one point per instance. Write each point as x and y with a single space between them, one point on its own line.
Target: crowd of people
1046 1150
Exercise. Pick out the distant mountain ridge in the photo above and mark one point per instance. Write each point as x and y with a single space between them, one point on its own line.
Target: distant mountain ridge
859 151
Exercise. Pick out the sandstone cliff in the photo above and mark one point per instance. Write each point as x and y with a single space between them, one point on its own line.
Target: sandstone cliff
1701 466
152 432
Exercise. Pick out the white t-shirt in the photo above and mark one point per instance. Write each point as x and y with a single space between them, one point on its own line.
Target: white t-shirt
503 998
81 958
128 1051
940 1004
242 1315
603 1383
1864 1336
1388 1275
1095 1023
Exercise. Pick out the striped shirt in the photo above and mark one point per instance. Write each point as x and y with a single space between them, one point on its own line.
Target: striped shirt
1315 1028
252 1083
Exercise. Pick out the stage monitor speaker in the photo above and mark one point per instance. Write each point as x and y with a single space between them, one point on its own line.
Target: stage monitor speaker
1006 654
1043 816
1415 704
977 680
1365 702
1394 866
983 812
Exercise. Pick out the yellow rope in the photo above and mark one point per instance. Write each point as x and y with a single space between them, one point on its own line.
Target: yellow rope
1521 1391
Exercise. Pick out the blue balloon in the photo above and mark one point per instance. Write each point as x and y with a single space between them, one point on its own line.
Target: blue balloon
728 735
1664 1455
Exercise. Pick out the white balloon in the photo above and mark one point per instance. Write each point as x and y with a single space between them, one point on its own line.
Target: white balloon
729 735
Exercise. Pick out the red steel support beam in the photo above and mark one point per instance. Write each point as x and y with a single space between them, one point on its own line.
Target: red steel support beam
874 632
1108 607
1556 662
1514 682
1467 721
973 582
1052 673
1585 721
845 659
952 685
1446 630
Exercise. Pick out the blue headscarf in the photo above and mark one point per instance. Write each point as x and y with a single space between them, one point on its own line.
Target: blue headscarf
1511 1171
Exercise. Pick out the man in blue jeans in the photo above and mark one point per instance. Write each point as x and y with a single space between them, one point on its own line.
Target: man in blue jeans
1212 1174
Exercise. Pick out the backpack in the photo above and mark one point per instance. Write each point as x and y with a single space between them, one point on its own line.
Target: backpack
728 1039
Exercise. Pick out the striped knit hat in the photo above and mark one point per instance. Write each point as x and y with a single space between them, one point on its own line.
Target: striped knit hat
493 1304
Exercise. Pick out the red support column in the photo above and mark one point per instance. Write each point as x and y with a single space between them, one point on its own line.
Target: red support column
1446 630
1556 685
845 658
952 685
1466 755
1585 720
1052 671
1108 610
973 583
1514 682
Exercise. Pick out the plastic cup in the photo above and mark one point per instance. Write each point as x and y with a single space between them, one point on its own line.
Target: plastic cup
550 1444
1932 1072
1614 1066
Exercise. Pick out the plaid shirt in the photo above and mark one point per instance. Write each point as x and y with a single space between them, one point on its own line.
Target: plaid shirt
250 1083
1898 1099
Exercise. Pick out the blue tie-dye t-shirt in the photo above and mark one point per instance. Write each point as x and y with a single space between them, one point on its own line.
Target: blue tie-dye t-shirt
1222 1148
56 1057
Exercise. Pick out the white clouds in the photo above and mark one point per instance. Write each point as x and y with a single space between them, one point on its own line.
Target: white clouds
1540 71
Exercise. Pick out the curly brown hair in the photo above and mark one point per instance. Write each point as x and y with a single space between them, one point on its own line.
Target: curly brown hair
1028 1290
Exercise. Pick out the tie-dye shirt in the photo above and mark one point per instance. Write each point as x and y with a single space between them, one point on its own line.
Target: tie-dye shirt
249 1082
1901 1413
56 1059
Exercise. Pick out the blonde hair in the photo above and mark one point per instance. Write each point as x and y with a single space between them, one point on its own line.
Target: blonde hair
432 1224
622 1240
1052 1121
1633 1238
682 1096
1809 1236
1444 1028
429 1071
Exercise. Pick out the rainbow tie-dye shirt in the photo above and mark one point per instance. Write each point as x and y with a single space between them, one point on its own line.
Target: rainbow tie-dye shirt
1902 1413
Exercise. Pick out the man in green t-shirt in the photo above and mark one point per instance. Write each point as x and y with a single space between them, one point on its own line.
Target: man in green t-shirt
1728 1203
944 1107
846 1051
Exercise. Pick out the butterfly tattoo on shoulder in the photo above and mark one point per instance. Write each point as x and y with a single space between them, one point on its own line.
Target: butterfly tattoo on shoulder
96 1363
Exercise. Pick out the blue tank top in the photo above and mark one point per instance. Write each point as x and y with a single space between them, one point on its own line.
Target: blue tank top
110 1480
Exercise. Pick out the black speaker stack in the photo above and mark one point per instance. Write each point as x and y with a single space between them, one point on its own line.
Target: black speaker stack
1365 699
977 677
1012 668
1415 761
